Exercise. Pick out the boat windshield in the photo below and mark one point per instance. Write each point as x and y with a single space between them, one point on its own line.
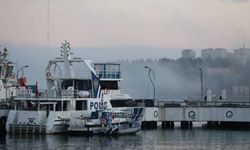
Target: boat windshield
81 85
111 85
123 103
9 71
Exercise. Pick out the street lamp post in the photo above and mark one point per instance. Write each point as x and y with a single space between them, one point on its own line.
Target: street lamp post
201 78
150 71
21 69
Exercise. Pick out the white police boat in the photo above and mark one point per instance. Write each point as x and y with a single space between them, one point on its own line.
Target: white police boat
108 98
43 111
8 83
74 91
116 113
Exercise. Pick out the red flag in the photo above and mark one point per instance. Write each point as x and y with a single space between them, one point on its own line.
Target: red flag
22 82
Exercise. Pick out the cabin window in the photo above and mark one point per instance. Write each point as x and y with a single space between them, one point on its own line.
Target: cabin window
51 107
113 71
82 85
81 105
65 105
118 103
66 84
123 103
100 70
94 115
111 85
107 70
59 106
9 71
47 107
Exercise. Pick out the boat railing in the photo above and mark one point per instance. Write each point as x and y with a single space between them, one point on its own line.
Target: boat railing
108 74
117 91
24 93
41 93
120 91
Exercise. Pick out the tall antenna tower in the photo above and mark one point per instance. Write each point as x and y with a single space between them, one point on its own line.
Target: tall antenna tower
48 22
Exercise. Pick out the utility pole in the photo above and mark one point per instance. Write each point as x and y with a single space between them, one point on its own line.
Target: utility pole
201 78
48 22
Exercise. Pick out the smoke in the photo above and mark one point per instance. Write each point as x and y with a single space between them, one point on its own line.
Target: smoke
169 82
181 78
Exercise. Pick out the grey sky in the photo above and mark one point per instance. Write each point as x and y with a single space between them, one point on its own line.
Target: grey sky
116 29
93 23
237 1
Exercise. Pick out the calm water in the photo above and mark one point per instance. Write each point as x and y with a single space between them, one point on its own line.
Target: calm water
200 139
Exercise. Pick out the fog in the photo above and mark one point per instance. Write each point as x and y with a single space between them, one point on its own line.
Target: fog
175 78
37 57
181 78
169 83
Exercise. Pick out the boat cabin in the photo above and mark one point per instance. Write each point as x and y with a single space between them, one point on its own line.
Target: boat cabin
109 75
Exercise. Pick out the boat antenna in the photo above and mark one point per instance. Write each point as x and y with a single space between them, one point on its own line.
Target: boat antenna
66 56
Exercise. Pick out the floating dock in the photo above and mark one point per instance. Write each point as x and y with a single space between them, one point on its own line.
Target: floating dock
215 113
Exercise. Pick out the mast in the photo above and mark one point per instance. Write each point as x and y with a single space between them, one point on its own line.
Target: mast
66 56
48 22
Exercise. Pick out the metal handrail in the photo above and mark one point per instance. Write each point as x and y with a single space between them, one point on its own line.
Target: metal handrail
27 93
108 74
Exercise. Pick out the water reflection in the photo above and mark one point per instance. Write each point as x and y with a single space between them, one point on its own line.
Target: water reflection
197 139
40 142
153 139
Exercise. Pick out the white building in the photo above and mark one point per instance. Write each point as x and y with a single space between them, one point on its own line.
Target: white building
214 53
206 53
188 54
242 54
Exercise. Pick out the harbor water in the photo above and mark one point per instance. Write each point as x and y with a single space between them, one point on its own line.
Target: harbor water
176 139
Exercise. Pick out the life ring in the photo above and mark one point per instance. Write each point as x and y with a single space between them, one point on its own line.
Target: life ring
229 114
191 114
156 114
48 74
